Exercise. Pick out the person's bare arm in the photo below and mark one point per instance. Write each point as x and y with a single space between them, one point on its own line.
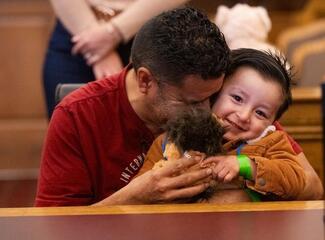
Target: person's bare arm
131 19
108 65
162 185
313 189
99 40
75 15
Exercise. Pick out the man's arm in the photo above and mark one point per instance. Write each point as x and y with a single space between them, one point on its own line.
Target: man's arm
64 177
163 184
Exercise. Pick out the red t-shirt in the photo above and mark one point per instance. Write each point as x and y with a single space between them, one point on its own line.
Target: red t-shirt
95 144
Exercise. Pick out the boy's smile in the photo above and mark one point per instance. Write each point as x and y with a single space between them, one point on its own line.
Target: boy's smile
247 104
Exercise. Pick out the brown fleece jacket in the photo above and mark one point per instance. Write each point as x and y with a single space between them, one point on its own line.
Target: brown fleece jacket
278 169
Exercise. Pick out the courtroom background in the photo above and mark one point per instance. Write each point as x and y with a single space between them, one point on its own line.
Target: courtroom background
25 26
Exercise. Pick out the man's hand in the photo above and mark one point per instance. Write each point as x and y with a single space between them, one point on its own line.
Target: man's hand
165 184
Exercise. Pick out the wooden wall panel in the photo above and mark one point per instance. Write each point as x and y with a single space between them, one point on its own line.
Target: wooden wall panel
25 26
23 41
24 36
21 143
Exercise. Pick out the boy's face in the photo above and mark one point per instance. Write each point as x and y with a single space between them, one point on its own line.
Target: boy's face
247 104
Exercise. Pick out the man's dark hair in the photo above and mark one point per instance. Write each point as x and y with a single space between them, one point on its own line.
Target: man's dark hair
178 43
272 66
196 129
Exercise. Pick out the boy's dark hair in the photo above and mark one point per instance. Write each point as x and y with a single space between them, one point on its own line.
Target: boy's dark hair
272 66
178 43
196 129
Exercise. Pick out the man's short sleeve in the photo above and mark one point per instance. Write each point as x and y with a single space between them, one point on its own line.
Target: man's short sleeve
64 179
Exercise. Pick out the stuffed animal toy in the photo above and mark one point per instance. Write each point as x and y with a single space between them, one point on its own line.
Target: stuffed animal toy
195 129
245 26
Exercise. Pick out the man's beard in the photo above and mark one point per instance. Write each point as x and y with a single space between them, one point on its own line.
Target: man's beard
160 109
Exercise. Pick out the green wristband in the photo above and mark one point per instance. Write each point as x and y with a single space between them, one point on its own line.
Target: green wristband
245 169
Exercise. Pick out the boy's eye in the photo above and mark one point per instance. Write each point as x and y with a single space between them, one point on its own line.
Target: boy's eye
261 113
237 98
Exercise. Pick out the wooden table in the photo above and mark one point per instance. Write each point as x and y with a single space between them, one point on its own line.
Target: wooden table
244 221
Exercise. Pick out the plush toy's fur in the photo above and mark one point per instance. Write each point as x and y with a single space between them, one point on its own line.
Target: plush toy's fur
196 129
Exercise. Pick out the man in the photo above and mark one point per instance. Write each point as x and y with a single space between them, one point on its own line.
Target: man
98 136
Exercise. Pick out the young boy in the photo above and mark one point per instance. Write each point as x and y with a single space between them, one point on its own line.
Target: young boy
256 92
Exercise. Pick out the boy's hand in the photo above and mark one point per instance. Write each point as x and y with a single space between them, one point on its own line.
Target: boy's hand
224 168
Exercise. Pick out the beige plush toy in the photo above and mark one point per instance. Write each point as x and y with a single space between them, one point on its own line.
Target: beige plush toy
245 26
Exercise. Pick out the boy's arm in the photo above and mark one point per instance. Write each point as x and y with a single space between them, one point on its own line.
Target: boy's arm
313 188
154 155
279 171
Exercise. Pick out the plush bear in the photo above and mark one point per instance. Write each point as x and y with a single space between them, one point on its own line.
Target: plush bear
245 26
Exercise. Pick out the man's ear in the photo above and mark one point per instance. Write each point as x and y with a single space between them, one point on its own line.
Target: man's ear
145 79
